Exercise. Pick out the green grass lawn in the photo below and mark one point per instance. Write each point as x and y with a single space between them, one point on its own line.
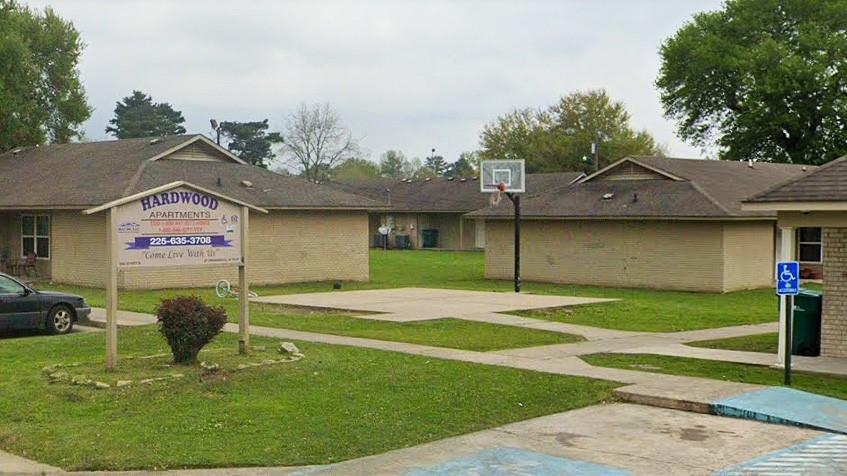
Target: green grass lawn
639 310
766 343
830 385
335 404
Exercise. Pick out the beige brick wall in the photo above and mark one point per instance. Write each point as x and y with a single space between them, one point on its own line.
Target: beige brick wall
447 225
10 239
834 325
285 246
682 255
748 255
79 248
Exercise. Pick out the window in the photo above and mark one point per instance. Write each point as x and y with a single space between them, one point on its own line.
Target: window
35 235
810 245
8 286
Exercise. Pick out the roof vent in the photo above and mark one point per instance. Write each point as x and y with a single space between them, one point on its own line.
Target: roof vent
17 151
427 179
156 140
750 163
608 196
463 179
450 179
247 183
804 168
475 178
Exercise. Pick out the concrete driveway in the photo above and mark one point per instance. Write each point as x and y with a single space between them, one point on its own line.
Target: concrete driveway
420 304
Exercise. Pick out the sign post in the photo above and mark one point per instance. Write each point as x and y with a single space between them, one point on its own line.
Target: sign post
243 284
788 285
111 294
175 225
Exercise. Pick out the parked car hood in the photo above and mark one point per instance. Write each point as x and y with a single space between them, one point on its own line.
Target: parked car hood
58 294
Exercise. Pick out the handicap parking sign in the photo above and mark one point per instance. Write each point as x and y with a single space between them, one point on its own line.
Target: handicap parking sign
788 278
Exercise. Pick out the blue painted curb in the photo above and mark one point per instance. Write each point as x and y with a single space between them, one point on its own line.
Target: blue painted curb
786 406
506 461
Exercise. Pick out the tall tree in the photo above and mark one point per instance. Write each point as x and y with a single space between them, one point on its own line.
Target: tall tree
394 164
315 141
41 95
559 137
761 79
355 169
436 164
138 116
250 141
465 166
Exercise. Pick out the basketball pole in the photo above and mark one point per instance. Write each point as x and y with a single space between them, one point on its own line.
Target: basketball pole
516 201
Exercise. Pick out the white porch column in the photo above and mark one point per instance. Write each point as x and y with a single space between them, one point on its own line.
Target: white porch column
786 253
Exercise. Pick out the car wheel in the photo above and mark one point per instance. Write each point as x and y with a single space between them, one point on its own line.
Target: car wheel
60 320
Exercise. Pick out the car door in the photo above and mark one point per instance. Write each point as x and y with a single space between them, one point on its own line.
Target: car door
20 308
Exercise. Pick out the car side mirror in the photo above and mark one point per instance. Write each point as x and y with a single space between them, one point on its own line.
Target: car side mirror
25 292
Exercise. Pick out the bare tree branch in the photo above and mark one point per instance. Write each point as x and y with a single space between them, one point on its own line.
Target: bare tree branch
315 141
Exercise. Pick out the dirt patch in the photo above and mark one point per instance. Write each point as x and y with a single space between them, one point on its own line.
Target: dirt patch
693 434
567 439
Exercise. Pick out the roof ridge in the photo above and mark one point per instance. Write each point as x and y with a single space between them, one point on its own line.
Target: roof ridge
631 159
817 169
710 198
133 181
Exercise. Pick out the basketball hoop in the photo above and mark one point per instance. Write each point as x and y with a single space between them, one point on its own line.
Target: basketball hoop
495 197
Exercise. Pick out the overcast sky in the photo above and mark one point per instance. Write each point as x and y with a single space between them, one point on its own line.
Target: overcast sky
402 75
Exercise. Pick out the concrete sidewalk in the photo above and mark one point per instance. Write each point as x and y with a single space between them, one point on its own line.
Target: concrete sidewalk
11 464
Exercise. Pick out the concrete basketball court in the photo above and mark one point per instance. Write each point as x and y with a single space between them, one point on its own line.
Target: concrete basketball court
420 304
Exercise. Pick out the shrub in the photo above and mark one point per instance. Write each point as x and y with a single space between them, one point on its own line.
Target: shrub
188 324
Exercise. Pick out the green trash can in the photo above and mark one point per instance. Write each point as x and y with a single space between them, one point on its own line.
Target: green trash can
806 331
430 238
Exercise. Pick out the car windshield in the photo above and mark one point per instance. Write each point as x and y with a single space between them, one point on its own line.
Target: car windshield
10 286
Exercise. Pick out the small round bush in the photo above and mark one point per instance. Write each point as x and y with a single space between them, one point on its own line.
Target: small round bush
189 324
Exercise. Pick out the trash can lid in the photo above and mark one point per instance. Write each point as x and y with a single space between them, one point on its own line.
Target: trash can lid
810 292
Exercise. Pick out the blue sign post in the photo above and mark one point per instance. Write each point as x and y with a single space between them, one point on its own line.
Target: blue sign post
788 278
788 285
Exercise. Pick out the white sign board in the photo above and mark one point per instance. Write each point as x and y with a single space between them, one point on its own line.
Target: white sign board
178 227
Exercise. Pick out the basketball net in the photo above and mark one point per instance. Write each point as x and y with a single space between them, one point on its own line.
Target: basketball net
495 197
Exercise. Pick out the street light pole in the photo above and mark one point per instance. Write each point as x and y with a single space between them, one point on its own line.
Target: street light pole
595 151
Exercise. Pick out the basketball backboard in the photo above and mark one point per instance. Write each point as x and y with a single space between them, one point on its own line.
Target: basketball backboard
510 173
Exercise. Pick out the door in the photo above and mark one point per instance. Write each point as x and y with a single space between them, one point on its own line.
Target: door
479 239
20 308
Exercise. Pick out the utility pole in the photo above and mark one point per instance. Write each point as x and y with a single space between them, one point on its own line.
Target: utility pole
595 151
217 128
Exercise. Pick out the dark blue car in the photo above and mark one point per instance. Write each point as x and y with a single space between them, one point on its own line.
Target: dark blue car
22 307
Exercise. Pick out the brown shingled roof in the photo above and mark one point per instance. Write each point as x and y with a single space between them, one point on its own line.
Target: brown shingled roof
441 194
692 189
88 174
826 184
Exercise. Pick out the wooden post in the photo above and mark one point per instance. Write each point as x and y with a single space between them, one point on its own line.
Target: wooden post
111 291
244 293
